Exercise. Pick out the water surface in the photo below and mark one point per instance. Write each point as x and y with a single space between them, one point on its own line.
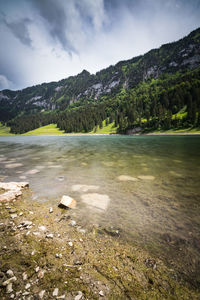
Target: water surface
160 212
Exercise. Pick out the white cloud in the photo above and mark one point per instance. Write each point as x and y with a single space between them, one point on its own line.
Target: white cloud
5 83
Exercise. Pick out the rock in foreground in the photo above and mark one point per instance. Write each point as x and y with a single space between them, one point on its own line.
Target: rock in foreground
67 202
12 190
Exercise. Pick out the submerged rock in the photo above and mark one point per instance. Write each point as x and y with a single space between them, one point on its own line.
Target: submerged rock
67 202
146 177
95 200
84 188
32 172
126 178
14 165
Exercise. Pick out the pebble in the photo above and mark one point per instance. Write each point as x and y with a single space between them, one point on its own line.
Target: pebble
27 286
24 276
79 296
70 244
101 293
41 274
41 294
36 233
9 288
26 223
21 214
55 292
12 296
13 216
73 223
37 269
33 252
8 281
49 236
12 211
58 255
10 273
50 210
42 228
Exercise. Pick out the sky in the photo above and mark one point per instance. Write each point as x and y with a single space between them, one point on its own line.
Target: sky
48 40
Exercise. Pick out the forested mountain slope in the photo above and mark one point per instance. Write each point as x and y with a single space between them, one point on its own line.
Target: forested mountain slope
159 90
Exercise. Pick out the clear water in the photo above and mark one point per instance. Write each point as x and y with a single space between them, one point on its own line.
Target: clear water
162 215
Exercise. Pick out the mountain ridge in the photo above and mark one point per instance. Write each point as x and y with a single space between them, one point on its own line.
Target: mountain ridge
85 88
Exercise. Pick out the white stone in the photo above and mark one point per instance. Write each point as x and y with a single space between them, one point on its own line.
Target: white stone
41 274
49 236
10 273
36 233
50 210
42 228
37 269
26 223
70 244
9 288
73 223
13 216
101 293
79 296
95 200
55 292
41 294
8 281
67 202
27 286
24 276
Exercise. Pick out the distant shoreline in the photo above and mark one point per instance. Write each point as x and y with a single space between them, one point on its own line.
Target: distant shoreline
106 134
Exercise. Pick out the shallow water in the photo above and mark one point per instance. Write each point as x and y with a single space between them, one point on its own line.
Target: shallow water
159 208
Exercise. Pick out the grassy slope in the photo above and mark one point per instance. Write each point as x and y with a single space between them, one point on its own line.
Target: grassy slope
5 131
50 129
106 129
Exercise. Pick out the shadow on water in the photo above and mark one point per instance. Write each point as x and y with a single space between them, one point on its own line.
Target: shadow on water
157 207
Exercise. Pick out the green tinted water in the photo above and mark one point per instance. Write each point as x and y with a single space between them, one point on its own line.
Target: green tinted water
161 212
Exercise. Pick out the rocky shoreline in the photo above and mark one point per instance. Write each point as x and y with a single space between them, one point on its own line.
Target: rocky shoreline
46 254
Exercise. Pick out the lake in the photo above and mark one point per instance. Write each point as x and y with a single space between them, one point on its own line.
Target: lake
147 187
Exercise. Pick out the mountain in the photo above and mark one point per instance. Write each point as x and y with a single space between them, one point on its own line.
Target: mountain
160 89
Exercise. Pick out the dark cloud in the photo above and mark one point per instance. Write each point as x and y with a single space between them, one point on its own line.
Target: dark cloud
20 30
53 12
66 36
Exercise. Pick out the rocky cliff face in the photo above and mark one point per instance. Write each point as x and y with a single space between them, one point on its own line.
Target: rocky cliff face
169 58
